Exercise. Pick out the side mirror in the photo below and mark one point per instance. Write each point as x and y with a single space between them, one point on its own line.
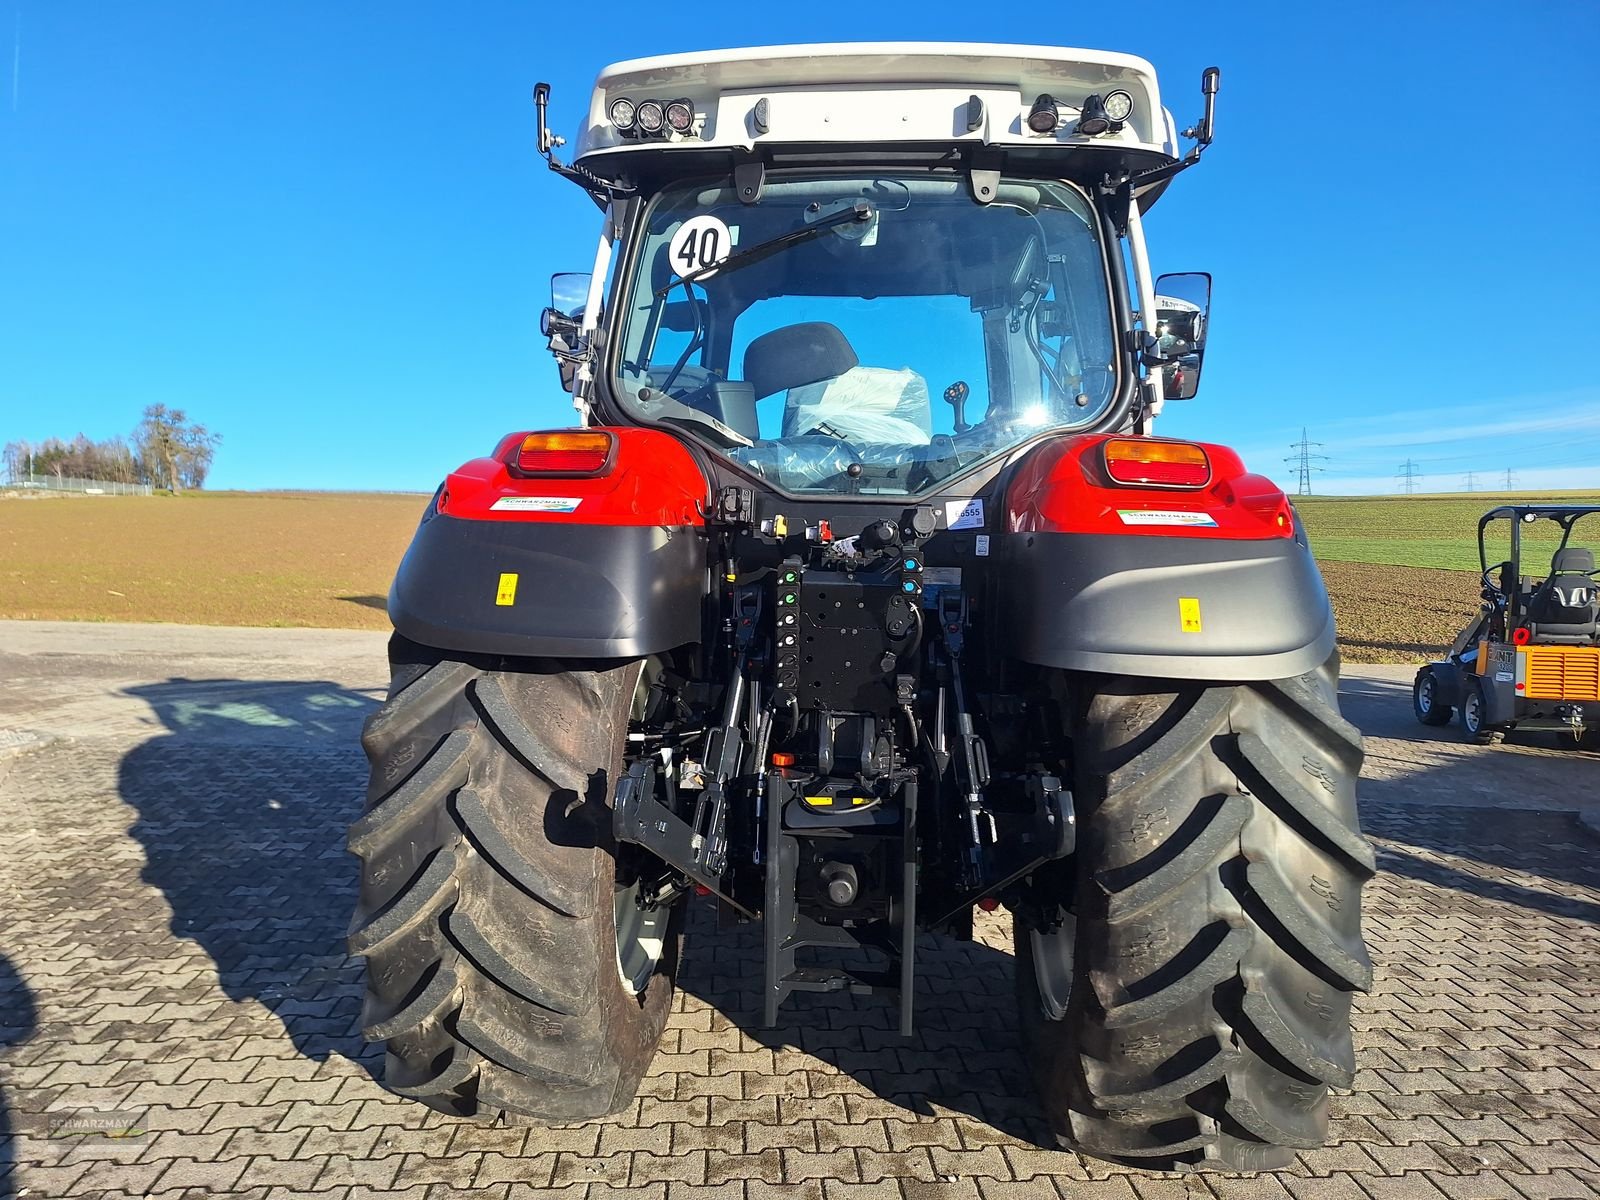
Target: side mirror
562 323
1183 304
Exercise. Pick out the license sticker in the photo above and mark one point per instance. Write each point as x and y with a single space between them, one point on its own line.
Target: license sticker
506 593
555 504
963 514
1189 614
941 576
981 545
1165 516
700 242
1503 677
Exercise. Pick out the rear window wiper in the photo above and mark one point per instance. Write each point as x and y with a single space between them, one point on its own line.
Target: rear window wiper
860 211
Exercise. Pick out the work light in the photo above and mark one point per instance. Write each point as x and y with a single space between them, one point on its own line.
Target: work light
1118 106
651 117
1044 116
622 114
1092 119
680 115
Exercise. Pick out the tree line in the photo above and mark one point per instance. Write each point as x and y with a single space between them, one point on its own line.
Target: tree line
165 450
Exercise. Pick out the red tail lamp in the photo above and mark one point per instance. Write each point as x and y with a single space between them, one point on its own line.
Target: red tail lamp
1147 462
1521 636
569 452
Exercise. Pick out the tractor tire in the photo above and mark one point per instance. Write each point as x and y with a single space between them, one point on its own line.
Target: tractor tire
1425 699
1197 1000
488 908
1473 708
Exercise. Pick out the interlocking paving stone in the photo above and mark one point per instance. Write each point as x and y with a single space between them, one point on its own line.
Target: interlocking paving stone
174 948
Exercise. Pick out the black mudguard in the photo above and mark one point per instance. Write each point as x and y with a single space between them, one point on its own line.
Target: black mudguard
582 591
1115 603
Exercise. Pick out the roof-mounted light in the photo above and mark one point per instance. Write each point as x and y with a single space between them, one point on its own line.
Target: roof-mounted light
622 115
1118 106
680 115
1092 119
651 116
1044 116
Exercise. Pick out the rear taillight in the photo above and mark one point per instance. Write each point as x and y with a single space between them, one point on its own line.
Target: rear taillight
565 452
1146 462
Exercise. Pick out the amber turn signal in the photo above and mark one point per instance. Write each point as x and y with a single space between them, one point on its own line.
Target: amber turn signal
1146 462
564 452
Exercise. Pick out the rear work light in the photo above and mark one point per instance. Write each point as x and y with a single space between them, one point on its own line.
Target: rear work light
1145 462
567 452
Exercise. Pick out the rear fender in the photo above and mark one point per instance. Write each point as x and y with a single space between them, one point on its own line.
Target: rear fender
1211 583
605 566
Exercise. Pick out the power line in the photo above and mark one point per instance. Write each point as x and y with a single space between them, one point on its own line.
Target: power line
1304 462
1407 476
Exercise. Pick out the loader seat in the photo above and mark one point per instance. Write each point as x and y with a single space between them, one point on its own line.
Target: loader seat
1566 607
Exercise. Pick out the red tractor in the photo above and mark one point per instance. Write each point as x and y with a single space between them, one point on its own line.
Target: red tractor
861 595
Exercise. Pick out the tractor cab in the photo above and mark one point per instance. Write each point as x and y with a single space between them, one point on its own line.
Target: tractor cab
846 280
1531 659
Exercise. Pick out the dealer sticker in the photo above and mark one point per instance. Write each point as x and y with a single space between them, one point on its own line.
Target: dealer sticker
1503 677
553 504
963 514
1164 516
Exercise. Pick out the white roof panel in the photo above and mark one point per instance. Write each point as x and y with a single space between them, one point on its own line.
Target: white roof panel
870 92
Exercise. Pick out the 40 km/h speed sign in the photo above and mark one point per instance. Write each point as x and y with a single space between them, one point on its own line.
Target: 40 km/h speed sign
699 243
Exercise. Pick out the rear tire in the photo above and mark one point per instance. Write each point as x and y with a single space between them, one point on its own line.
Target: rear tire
1473 708
489 883
1217 926
1425 699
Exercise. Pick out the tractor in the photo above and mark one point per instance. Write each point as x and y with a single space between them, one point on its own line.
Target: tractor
861 594
1531 658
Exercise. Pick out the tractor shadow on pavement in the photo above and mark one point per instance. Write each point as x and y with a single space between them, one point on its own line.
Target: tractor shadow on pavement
965 1058
1505 812
242 809
18 1020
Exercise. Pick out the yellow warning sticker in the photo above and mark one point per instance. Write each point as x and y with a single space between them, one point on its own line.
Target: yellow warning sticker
1189 614
506 594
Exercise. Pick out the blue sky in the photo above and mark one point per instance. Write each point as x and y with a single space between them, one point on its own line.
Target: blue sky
323 230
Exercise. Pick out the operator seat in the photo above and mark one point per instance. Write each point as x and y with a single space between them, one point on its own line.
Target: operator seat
796 355
831 394
1566 607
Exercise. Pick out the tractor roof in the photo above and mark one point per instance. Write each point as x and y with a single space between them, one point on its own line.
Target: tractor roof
872 94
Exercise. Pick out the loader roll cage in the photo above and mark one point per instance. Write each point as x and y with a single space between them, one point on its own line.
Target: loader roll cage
1506 591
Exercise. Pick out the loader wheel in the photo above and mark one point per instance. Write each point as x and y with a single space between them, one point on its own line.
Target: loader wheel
1194 1008
509 971
1473 709
1425 699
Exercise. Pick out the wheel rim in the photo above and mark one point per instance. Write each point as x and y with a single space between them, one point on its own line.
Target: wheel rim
641 939
1472 713
1425 688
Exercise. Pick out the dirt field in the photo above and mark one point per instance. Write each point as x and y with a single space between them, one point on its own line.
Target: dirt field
222 559
326 560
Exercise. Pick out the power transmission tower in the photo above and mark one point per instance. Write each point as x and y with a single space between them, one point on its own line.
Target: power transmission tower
1304 462
1472 481
1511 479
1408 476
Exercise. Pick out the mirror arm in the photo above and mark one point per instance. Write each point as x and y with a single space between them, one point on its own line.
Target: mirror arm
601 191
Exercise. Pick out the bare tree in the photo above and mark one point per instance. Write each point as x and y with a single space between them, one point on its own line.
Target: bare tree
173 452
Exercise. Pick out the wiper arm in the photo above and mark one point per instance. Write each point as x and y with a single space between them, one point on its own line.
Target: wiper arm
861 210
